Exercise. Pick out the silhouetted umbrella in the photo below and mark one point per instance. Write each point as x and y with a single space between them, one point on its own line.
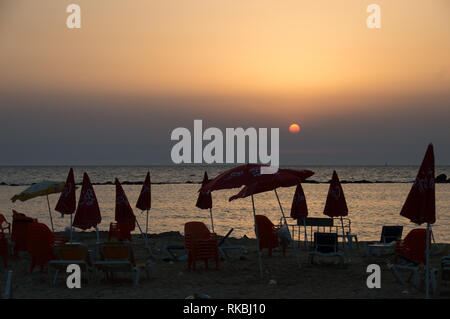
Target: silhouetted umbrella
67 202
235 177
269 182
204 200
43 188
123 211
299 208
420 205
87 214
336 206
144 202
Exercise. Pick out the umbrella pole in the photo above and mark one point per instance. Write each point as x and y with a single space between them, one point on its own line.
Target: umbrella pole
257 240
306 234
427 268
145 238
289 232
98 236
70 228
50 213
343 237
212 222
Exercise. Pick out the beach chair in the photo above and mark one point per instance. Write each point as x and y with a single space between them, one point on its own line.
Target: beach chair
4 224
410 255
120 231
389 236
325 245
40 245
268 237
119 257
201 244
67 254
4 248
19 233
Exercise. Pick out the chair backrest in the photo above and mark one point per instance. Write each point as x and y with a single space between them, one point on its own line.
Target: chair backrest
316 222
325 242
415 244
264 225
193 231
391 233
117 251
73 252
40 239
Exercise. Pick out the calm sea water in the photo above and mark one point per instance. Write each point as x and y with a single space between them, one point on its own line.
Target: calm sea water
174 194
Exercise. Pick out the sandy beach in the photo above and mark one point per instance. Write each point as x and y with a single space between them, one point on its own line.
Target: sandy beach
238 279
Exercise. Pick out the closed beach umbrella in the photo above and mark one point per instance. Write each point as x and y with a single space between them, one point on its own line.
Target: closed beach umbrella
336 206
144 202
299 208
67 201
87 214
123 212
420 205
204 200
43 188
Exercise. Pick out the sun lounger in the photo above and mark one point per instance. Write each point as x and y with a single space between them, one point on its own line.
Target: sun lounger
67 254
326 245
410 254
119 257
389 236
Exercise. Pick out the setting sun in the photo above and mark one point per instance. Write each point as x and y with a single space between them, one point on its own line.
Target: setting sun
294 128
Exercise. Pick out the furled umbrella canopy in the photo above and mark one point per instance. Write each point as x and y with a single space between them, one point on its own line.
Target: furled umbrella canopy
67 201
87 214
123 213
420 205
299 208
204 200
145 197
335 206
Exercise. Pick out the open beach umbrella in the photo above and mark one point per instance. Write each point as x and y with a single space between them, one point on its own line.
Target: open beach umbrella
269 182
234 178
204 200
420 205
67 202
43 188
336 206
87 214
299 208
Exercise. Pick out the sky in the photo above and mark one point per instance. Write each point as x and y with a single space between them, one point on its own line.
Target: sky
112 92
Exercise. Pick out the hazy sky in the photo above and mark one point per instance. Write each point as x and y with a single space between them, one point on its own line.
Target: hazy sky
112 91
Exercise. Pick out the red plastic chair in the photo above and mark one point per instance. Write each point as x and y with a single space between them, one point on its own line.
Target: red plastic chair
4 224
4 248
41 241
413 247
201 244
19 234
268 238
121 231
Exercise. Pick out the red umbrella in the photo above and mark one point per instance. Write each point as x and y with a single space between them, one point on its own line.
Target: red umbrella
299 209
204 200
87 214
268 182
67 201
420 205
123 213
144 202
235 177
145 197
335 206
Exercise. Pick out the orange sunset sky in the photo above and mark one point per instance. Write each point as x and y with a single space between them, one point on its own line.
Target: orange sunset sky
233 63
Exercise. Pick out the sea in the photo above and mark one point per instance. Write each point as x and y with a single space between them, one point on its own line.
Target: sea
374 194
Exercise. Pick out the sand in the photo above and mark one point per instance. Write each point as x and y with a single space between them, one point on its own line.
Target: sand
238 279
